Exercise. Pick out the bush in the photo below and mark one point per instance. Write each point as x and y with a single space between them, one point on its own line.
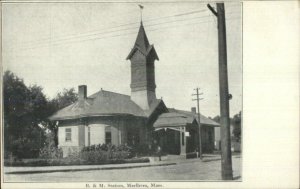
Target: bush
93 157
90 155
45 162
50 151
13 162
104 153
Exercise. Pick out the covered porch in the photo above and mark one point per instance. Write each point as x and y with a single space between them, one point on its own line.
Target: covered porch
176 133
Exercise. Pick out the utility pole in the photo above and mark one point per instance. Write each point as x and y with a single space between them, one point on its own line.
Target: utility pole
199 122
224 95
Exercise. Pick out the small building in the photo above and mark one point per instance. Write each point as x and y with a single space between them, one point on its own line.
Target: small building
136 119
188 124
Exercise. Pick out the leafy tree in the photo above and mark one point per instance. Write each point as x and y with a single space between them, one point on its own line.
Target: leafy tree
50 150
24 110
236 122
217 119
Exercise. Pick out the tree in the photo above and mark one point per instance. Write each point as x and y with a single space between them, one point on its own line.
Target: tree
236 122
217 119
24 110
26 113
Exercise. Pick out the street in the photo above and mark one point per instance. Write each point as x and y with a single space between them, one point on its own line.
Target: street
191 169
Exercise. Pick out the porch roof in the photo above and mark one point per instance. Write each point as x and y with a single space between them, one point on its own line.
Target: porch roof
203 120
176 118
173 119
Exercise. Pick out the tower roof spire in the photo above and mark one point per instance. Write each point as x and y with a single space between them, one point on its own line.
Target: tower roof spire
142 44
142 41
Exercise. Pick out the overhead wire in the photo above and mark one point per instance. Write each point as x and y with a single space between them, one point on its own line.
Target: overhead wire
65 41
126 34
56 42
123 29
59 36
117 26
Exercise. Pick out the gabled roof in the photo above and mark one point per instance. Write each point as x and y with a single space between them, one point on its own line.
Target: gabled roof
158 103
203 120
100 104
142 44
173 119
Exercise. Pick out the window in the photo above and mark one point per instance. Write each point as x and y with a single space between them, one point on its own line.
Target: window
107 137
68 134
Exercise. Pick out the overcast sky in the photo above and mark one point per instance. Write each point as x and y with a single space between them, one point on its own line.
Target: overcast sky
63 45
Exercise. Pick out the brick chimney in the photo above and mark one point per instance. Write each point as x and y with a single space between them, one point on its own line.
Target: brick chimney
82 92
193 109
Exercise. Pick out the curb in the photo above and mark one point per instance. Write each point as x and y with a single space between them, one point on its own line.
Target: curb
87 169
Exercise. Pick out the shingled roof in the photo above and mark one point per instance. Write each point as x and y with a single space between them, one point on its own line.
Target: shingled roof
142 44
173 119
176 118
204 120
100 103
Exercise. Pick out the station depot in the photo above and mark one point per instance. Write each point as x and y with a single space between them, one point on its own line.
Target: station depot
138 118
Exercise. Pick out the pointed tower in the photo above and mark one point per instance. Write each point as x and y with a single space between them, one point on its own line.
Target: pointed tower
142 57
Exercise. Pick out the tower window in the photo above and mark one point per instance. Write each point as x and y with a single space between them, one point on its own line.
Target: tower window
68 136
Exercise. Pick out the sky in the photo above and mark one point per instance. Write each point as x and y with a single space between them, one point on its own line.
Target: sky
63 45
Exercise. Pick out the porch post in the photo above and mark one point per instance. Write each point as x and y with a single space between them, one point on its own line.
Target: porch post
119 135
182 141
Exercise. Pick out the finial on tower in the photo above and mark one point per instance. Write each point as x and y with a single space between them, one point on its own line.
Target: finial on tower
141 9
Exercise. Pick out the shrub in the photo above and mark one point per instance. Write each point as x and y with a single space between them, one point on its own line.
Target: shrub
137 160
90 155
103 153
13 162
50 151
93 157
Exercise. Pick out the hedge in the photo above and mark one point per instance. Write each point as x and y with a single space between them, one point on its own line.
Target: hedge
91 155
66 162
